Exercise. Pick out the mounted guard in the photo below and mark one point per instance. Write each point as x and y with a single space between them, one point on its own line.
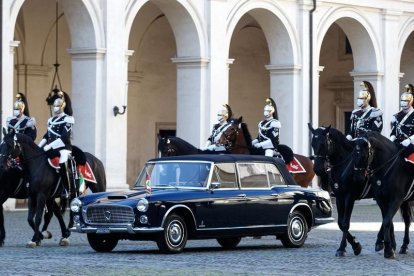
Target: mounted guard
21 122
402 132
268 136
58 138
224 117
367 117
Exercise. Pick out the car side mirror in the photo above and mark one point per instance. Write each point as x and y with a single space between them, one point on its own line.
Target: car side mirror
215 185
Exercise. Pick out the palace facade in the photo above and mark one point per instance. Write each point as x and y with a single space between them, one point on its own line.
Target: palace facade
172 63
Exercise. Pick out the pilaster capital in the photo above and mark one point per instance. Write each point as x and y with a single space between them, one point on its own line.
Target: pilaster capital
191 61
283 69
87 53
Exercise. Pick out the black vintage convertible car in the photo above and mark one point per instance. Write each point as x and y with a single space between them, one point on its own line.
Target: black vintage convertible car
225 197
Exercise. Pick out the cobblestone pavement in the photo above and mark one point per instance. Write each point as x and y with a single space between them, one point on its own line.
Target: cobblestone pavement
265 256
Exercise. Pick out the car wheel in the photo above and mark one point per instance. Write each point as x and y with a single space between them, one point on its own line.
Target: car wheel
102 243
175 235
297 231
229 243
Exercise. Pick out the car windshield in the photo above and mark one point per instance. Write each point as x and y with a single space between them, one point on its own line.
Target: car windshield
174 174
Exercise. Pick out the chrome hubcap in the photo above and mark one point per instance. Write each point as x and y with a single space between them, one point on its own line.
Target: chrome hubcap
297 229
175 233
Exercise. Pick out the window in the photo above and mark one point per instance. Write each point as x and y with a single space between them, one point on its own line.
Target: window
273 173
225 175
253 175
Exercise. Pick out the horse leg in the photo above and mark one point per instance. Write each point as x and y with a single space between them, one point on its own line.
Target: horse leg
30 214
47 218
64 241
341 252
40 205
388 229
2 230
349 206
405 210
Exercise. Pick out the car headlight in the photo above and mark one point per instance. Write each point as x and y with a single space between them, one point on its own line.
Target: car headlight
142 205
75 205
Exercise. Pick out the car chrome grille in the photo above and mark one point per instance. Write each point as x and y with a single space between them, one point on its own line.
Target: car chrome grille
109 214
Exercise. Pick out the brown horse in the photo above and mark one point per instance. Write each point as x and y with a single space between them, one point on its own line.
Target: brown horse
237 140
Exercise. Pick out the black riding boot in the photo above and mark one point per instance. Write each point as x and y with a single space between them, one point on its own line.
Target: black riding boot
65 178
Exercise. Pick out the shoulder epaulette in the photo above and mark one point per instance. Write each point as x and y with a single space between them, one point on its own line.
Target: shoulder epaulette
69 119
376 112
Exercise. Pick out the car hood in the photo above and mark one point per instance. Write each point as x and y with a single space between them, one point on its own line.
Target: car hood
130 197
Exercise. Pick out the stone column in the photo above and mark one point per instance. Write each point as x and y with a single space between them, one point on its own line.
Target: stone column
390 90
284 90
191 95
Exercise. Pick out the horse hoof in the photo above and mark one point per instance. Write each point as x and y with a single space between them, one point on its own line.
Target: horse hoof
403 250
389 255
340 253
64 242
1 243
31 244
379 247
47 234
357 249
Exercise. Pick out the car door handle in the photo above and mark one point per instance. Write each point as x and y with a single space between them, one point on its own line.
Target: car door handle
241 195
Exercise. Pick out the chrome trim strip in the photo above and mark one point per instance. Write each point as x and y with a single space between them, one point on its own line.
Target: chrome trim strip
242 227
107 230
175 207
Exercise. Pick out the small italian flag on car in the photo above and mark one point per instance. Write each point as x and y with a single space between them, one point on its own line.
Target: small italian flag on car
148 184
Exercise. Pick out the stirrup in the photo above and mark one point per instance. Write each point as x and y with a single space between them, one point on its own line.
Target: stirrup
65 194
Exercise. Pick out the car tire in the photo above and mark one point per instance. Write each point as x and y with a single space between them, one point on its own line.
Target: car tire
102 243
229 243
297 231
174 236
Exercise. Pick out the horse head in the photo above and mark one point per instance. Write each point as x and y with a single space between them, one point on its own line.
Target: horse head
230 134
166 148
321 145
10 151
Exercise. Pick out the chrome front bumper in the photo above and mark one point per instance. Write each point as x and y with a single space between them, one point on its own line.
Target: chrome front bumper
320 221
115 229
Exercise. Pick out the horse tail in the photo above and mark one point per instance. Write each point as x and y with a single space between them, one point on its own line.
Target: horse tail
286 152
79 155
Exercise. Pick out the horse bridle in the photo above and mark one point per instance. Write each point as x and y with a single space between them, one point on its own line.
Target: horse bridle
228 143
13 161
171 151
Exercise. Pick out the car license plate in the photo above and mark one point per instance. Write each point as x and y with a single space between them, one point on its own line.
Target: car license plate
103 231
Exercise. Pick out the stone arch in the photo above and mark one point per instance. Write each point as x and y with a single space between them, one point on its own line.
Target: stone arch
405 36
365 45
278 30
185 23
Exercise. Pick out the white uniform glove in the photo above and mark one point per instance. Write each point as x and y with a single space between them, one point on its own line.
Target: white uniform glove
349 137
42 143
211 147
406 142
254 142
392 138
257 145
47 147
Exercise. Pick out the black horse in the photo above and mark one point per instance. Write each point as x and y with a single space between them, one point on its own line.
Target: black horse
44 181
333 155
392 181
172 146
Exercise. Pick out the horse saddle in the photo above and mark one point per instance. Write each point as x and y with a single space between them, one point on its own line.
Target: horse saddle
84 170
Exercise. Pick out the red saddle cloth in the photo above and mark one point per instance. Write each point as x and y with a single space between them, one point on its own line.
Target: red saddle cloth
295 166
410 158
84 170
